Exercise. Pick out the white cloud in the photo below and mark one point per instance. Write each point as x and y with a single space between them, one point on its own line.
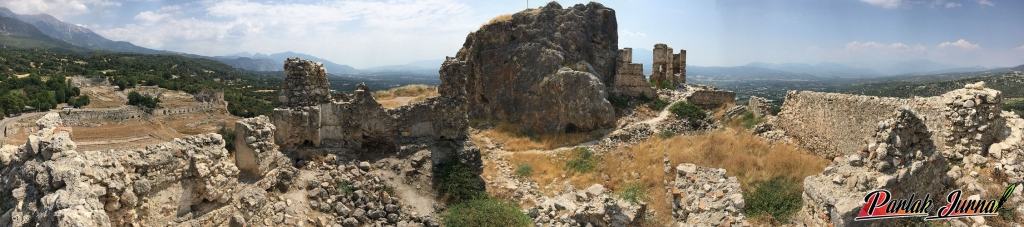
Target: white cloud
1021 47
888 4
332 29
960 44
57 8
952 5
856 46
986 3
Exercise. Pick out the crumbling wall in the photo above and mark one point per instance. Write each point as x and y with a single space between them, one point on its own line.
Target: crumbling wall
81 117
711 99
305 84
661 68
706 197
761 107
629 77
831 124
899 156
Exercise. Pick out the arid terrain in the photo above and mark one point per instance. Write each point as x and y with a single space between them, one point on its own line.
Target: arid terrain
541 118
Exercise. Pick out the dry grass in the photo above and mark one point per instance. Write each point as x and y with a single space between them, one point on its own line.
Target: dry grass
743 155
404 95
512 139
499 19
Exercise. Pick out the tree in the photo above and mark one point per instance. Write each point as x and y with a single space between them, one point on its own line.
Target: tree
144 101
80 101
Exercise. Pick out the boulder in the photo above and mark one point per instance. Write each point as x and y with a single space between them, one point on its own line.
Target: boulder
547 68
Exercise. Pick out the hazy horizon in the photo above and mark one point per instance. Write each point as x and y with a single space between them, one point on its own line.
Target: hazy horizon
366 34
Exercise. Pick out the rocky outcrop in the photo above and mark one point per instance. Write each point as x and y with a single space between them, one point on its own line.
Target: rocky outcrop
305 83
593 206
706 197
546 69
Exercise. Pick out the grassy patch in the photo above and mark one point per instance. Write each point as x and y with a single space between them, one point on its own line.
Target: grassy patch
524 170
485 212
458 182
685 110
779 198
513 139
747 120
581 161
657 104
1014 104
345 187
634 193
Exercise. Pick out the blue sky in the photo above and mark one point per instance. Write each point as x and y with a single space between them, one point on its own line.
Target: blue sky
366 33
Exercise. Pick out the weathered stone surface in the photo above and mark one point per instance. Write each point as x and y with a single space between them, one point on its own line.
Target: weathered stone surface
513 66
305 84
668 69
706 197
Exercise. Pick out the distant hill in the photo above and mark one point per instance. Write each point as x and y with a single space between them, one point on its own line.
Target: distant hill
275 62
424 67
17 34
824 69
74 34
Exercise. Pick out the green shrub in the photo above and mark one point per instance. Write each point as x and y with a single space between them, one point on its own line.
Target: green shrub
458 182
748 120
485 212
665 134
524 170
582 160
657 104
685 110
345 187
619 101
634 193
143 101
779 197
229 137
662 85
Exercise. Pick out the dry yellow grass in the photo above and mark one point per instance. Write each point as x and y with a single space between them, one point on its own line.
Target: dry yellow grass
500 18
512 140
404 95
743 155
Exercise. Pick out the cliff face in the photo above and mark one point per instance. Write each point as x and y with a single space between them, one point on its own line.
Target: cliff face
545 69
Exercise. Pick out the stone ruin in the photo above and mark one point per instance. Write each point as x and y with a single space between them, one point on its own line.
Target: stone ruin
356 122
305 84
709 97
932 145
760 107
629 77
668 69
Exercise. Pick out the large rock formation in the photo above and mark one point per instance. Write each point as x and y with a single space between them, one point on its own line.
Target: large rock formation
546 69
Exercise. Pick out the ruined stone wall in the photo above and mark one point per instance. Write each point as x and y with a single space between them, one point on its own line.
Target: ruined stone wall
759 106
711 99
662 67
629 77
305 83
680 66
82 117
831 124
